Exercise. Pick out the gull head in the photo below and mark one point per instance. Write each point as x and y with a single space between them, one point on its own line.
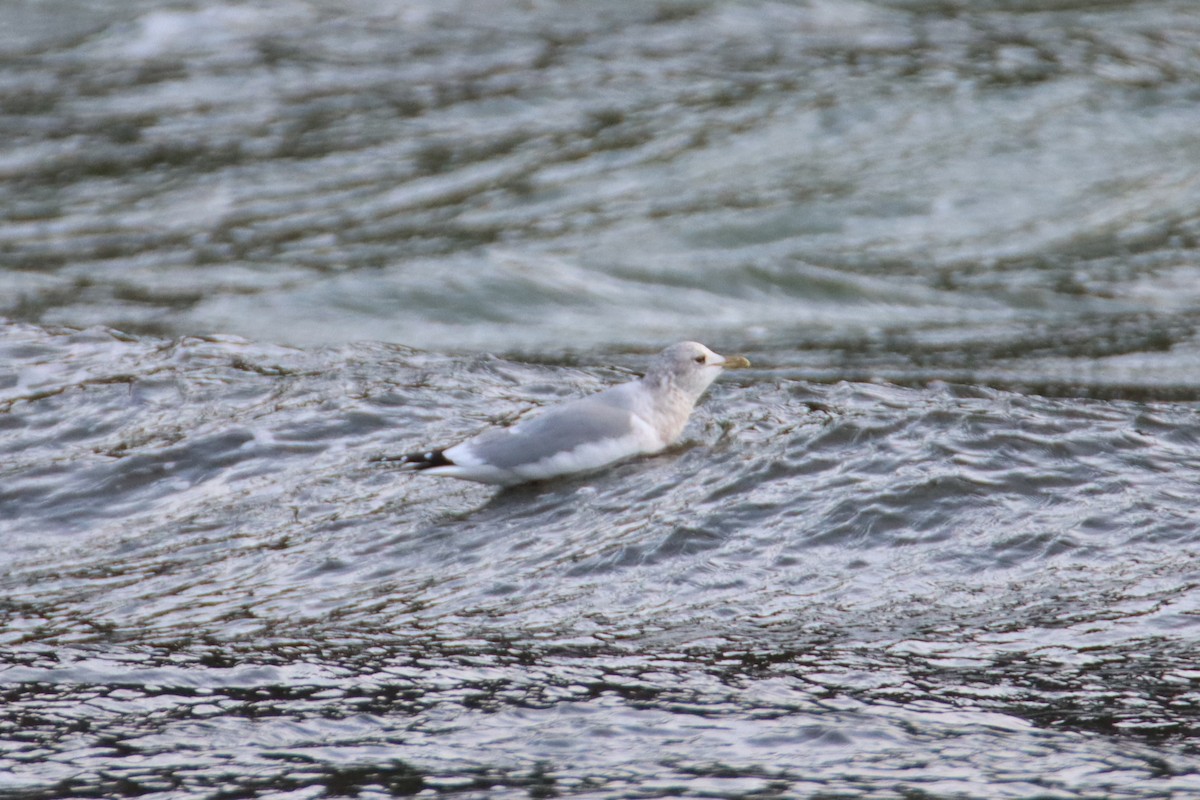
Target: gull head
690 367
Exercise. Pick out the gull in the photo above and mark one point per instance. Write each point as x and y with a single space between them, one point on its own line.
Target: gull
636 418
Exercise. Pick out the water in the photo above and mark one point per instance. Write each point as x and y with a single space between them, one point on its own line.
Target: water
940 542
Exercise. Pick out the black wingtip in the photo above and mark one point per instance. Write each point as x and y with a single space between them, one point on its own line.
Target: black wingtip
417 461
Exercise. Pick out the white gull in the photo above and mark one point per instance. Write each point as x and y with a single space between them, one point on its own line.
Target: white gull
636 418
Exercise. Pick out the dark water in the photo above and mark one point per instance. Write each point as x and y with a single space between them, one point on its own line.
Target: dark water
849 588
942 542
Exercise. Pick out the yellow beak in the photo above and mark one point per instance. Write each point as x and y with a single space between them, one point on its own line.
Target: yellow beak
735 362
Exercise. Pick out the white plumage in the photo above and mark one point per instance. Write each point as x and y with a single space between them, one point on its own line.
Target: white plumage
640 417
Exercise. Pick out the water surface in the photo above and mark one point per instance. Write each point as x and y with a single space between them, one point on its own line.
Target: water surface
940 541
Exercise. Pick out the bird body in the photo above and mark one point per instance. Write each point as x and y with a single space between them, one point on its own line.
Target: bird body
636 418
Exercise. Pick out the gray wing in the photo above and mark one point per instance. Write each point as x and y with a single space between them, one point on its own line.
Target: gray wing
601 416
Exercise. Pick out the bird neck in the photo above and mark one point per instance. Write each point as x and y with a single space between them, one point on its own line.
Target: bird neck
670 414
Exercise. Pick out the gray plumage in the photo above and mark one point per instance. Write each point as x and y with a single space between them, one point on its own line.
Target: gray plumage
640 417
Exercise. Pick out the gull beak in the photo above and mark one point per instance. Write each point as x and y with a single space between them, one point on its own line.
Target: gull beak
735 362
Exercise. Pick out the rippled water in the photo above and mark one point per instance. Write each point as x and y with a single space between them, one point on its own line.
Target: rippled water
941 541
846 587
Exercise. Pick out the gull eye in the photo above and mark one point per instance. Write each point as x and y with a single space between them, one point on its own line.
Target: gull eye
699 359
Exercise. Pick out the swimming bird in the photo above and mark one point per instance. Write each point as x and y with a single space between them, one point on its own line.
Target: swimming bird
636 418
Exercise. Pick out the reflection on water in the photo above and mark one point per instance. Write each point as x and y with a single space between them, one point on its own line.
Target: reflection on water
895 178
825 587
940 542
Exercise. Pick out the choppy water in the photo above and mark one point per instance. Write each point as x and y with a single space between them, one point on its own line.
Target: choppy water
941 542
